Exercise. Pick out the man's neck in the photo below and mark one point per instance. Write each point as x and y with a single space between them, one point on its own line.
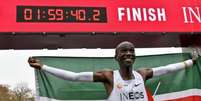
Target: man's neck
126 73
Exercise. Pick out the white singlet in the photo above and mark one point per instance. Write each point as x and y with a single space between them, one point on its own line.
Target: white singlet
128 90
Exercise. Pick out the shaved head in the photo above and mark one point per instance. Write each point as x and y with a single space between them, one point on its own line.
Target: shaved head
122 44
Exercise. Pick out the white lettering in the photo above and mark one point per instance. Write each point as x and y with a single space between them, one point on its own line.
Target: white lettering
120 13
128 14
152 16
196 14
161 14
191 15
142 14
136 14
185 15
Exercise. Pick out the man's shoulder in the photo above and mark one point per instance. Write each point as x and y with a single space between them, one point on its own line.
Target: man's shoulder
103 76
146 73
106 72
143 69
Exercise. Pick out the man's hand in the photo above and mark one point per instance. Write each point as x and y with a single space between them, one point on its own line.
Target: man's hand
35 63
195 56
194 59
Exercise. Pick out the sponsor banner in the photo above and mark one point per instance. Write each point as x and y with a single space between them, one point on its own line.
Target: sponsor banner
167 87
100 16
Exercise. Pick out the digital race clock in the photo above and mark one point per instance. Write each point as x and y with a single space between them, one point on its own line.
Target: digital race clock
61 14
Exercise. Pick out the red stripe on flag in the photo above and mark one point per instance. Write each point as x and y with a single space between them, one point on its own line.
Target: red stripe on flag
189 98
149 95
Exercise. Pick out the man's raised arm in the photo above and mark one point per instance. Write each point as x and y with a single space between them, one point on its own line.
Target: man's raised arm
158 71
162 70
64 74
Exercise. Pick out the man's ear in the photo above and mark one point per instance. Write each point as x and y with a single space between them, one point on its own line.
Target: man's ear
115 56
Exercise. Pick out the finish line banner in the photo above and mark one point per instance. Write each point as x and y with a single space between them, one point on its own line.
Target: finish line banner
100 16
177 86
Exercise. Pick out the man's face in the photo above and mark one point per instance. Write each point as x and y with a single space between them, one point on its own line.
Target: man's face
125 54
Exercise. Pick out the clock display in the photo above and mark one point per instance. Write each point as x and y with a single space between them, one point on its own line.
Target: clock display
61 14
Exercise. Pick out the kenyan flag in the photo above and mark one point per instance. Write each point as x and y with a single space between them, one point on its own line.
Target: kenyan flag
184 85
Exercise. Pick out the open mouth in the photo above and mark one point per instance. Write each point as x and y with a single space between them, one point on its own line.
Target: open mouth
128 60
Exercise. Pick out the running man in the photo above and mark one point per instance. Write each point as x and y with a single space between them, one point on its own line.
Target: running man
124 84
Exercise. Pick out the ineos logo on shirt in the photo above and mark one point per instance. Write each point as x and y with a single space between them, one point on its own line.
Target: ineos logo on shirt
131 96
